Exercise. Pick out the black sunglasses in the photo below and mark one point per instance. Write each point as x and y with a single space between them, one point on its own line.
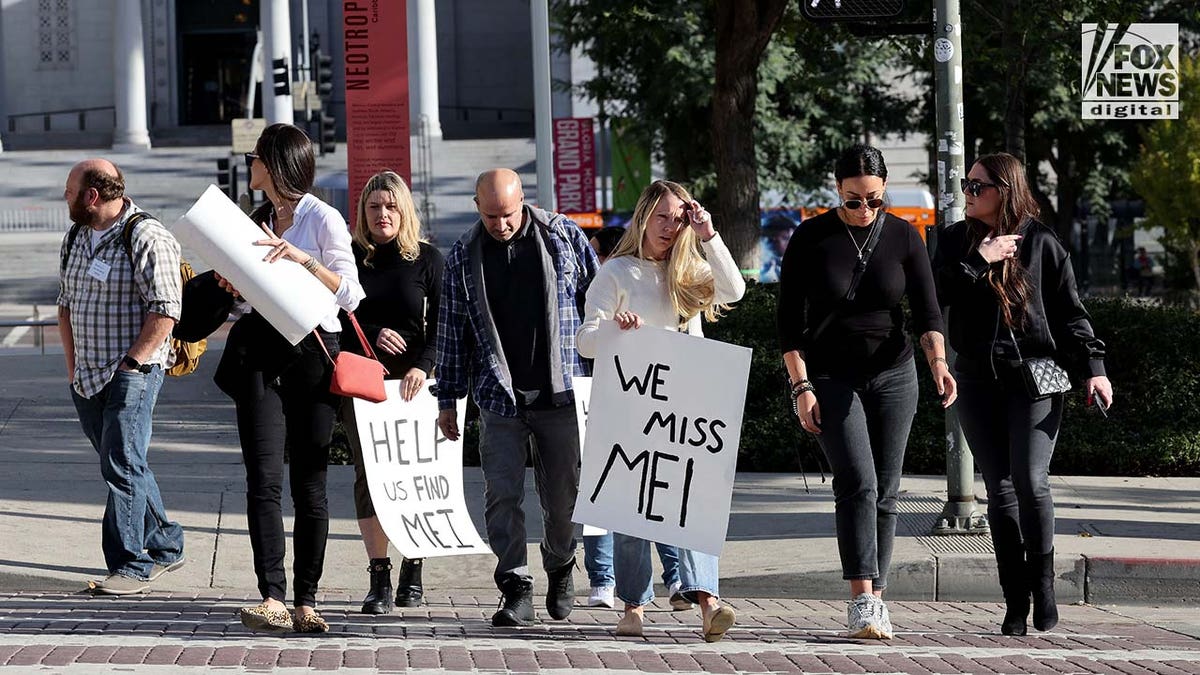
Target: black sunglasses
250 157
856 204
974 187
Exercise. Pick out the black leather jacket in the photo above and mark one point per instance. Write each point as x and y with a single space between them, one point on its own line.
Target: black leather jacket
1058 325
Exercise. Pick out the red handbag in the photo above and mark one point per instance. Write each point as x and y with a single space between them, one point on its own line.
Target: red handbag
355 375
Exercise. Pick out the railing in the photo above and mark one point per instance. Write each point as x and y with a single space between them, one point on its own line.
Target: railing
39 338
47 115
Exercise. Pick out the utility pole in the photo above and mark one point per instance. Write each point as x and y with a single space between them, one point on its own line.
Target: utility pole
543 124
961 513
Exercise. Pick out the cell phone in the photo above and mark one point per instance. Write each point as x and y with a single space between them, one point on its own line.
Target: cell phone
1099 406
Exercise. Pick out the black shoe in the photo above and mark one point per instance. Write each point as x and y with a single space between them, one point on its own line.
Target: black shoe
516 605
1039 569
408 587
1011 568
379 598
560 596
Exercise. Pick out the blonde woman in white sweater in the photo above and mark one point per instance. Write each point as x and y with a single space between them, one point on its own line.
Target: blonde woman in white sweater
669 268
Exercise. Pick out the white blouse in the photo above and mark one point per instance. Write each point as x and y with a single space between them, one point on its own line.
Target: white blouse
319 230
629 283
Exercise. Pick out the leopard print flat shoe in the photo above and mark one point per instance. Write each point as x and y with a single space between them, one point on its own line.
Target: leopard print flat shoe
264 619
309 623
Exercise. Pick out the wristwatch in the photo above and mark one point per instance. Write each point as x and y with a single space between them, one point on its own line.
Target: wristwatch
133 363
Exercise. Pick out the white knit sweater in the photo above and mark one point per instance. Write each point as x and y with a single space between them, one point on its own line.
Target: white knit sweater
629 283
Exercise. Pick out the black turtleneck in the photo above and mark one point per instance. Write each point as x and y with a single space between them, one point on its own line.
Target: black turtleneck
402 295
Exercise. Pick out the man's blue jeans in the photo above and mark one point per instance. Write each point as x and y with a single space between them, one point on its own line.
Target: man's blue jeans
598 561
136 532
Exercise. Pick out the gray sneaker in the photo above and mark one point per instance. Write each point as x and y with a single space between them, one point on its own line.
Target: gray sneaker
885 621
115 584
862 617
159 569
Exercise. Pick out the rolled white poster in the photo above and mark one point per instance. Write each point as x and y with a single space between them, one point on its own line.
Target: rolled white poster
288 296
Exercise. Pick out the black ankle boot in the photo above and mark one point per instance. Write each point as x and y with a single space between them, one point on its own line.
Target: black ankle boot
379 598
1011 567
1039 569
408 586
516 605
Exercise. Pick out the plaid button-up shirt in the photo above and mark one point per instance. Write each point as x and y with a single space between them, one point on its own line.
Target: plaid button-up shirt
466 350
107 313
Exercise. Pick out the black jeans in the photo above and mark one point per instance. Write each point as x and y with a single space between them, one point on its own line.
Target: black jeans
1012 438
864 431
293 411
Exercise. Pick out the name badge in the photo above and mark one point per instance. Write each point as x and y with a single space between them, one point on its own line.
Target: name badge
99 269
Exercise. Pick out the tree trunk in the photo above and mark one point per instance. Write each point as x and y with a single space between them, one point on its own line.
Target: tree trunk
1013 46
1195 245
743 27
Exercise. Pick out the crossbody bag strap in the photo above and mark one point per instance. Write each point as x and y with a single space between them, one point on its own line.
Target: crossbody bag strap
855 279
362 339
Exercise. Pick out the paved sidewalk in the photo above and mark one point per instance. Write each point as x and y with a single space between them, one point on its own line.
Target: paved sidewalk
77 634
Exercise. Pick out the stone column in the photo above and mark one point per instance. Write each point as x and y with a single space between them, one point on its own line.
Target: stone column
129 78
423 66
275 21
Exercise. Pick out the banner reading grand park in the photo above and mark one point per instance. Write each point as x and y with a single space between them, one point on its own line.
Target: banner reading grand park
663 428
376 69
415 475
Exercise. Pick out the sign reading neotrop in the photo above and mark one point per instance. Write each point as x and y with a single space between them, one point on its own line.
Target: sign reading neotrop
1130 71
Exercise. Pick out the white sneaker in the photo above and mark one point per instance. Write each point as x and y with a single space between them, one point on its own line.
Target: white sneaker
885 621
678 602
601 596
862 617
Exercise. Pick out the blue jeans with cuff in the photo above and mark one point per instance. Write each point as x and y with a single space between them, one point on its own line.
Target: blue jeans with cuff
598 561
635 571
136 532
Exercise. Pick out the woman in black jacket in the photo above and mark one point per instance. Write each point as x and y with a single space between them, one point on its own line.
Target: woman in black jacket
1010 289
862 395
402 278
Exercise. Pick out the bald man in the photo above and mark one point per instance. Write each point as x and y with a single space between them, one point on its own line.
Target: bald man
512 294
119 297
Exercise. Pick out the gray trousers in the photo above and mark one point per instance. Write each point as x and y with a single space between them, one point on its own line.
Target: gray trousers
503 447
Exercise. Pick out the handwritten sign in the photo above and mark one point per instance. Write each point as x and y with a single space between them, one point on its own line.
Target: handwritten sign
664 424
582 388
415 476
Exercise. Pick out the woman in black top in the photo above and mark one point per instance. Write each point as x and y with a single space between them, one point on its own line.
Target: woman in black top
850 362
402 278
1010 289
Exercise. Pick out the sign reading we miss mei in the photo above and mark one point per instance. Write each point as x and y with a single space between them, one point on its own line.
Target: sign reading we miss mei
664 424
415 475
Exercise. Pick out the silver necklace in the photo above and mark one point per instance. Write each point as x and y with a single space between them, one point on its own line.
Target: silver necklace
859 249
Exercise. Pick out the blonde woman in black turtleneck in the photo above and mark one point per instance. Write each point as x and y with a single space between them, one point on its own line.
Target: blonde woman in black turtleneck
402 278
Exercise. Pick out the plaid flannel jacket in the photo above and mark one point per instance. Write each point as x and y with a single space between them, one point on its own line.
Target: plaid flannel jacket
466 353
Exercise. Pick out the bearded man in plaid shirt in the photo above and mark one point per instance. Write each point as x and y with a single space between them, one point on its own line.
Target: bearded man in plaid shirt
512 290
117 305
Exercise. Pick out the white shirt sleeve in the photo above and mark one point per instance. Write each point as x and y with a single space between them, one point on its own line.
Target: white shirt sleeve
729 286
333 240
605 298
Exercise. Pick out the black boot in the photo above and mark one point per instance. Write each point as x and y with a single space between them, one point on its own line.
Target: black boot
560 596
379 598
1011 567
516 607
1039 568
408 586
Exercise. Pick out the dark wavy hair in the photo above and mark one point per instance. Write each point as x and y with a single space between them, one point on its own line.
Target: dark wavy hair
1009 280
860 160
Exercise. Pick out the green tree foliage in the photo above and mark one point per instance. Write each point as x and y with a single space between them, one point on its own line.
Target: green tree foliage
1167 173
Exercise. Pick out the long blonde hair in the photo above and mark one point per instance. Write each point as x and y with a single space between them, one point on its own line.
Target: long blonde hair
689 276
408 230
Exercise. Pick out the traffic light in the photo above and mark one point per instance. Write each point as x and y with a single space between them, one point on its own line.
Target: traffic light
324 75
853 10
279 73
326 133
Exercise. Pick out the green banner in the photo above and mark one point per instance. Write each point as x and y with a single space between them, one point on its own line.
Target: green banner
630 162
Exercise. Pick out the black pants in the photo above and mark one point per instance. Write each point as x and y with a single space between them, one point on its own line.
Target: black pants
295 411
1012 438
864 431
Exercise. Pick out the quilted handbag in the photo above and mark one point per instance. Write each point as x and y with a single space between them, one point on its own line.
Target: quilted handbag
1043 376
355 375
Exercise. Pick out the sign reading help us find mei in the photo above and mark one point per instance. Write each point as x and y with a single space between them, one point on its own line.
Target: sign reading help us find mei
663 429
415 475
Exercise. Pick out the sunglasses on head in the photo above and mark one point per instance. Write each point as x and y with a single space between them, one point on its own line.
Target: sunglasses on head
856 204
250 157
975 187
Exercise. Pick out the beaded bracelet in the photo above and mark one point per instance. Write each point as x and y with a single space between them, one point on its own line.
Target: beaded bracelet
801 387
311 264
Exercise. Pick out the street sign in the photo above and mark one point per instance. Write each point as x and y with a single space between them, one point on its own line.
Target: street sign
834 10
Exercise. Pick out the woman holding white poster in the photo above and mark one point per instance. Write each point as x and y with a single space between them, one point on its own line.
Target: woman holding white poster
401 275
851 367
669 268
282 391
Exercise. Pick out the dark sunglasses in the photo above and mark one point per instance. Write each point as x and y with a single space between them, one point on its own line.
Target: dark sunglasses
856 204
250 157
974 187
